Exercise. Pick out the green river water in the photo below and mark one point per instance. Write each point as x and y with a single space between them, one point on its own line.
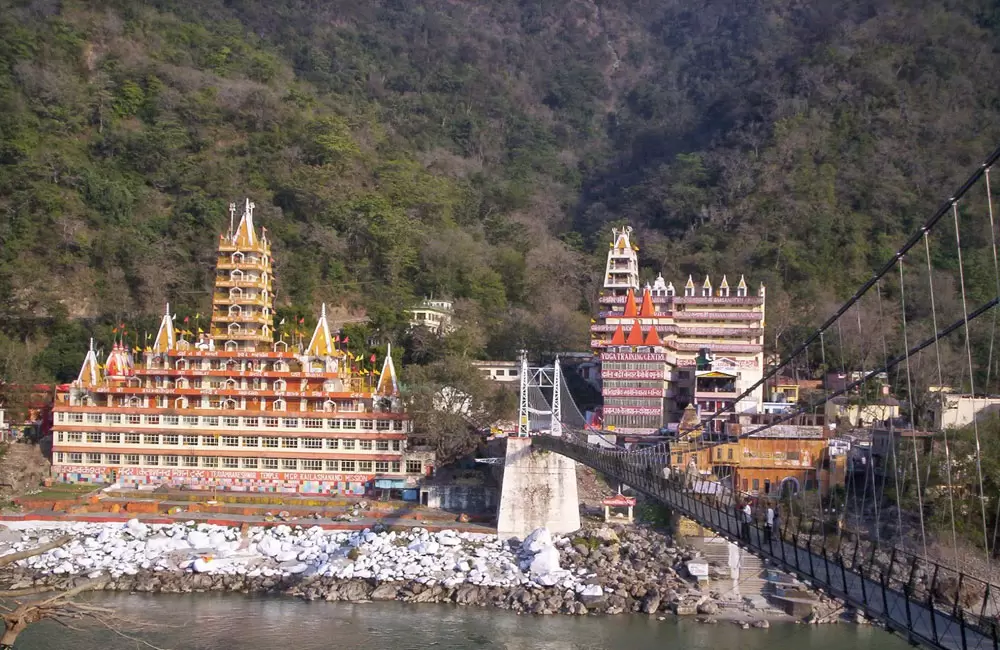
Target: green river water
203 622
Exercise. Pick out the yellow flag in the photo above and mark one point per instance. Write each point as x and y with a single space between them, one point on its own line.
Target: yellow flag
201 331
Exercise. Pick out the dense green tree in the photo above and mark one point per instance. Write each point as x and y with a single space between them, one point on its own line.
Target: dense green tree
480 152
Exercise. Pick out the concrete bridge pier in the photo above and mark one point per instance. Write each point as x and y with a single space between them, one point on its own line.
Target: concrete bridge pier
538 489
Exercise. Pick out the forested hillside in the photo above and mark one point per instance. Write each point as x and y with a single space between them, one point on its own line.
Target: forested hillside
479 150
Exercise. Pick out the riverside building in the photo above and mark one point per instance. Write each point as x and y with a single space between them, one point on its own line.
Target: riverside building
237 407
662 349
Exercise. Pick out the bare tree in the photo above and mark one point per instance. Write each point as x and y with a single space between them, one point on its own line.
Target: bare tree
61 608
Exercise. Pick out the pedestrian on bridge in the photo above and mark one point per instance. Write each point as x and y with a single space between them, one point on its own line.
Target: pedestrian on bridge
768 524
747 518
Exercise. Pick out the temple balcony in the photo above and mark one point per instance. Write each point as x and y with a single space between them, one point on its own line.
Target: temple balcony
226 246
241 335
719 300
247 265
241 317
244 284
227 299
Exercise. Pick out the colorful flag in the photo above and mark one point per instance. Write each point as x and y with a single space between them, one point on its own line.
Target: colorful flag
186 319
372 359
282 322
302 321
347 339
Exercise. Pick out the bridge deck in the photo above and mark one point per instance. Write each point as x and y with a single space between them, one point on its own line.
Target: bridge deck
929 618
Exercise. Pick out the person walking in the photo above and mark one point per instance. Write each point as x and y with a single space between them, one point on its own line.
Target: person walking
768 525
776 526
747 517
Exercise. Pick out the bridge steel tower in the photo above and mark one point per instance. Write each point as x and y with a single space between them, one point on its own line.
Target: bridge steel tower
539 488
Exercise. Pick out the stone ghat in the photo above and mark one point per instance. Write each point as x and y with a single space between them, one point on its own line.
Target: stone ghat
603 570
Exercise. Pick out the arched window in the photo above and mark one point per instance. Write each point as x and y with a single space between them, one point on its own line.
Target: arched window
181 403
182 364
235 293
236 275
182 382
741 292
232 364
280 346
231 346
280 385
229 404
237 257
86 401
279 405
280 366
134 382
134 402
329 406
235 311
234 328
231 384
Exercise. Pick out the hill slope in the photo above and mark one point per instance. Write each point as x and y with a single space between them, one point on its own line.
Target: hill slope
478 150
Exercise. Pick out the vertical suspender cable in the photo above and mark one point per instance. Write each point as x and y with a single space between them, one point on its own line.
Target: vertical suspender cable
940 378
909 392
972 381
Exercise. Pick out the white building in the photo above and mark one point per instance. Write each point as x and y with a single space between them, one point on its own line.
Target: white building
432 314
952 410
503 371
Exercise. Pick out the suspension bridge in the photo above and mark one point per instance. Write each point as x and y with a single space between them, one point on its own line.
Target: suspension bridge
920 320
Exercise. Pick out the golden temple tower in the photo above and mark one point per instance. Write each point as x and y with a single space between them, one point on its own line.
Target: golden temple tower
242 312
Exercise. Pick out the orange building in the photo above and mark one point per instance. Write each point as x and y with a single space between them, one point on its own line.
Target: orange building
783 457
235 408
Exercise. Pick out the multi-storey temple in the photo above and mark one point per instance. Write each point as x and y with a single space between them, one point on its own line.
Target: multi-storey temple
234 408
662 351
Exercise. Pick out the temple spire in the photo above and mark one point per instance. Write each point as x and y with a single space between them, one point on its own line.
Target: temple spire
635 335
387 384
630 311
647 310
321 344
165 336
90 371
618 338
245 235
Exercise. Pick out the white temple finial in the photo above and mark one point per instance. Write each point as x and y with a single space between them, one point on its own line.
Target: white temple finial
232 217
322 312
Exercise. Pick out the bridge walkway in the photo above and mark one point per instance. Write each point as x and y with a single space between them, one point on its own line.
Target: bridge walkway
895 593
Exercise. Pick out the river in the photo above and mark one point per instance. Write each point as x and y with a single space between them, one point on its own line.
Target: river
224 621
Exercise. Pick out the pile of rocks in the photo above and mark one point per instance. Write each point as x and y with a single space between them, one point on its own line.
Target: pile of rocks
604 570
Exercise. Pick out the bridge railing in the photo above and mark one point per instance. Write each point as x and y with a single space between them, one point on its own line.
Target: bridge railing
929 602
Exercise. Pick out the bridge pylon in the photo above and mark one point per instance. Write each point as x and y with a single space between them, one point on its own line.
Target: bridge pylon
539 488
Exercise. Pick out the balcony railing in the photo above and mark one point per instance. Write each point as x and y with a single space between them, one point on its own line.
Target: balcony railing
247 265
225 298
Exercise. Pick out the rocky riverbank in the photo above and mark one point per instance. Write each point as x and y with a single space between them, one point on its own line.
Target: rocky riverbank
603 570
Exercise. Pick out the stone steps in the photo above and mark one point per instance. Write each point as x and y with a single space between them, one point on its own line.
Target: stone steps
752 577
